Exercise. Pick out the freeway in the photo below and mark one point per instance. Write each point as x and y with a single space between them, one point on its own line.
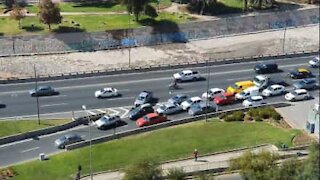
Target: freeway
76 92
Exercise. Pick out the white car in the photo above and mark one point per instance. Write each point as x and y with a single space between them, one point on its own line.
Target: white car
106 92
193 100
212 93
315 62
274 90
187 75
253 101
298 94
250 91
107 121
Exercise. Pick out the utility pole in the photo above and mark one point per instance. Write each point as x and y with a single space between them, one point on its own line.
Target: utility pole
284 37
207 98
129 37
36 89
90 141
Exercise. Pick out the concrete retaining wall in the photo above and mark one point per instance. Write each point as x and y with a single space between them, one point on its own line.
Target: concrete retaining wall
169 33
159 126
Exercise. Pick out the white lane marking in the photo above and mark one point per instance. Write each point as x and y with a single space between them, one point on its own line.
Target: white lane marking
83 136
58 96
233 79
92 113
48 105
14 143
31 149
114 111
126 112
119 98
100 110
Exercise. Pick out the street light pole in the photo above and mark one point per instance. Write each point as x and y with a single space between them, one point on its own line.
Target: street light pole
208 79
129 39
90 141
284 37
36 89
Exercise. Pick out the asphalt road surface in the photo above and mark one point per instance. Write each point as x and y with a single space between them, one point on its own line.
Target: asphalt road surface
76 92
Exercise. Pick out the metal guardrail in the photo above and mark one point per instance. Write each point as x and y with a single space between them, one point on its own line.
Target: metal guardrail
162 125
114 71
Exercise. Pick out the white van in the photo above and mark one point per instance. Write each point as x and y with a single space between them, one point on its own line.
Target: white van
250 91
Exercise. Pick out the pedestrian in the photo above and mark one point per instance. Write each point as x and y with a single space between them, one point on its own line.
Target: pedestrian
195 154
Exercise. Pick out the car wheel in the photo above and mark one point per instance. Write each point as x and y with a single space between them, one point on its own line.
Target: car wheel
306 97
194 79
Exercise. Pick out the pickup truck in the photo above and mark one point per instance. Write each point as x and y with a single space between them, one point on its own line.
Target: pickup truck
263 81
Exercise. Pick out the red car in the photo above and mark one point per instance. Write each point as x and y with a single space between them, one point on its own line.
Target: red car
149 119
226 98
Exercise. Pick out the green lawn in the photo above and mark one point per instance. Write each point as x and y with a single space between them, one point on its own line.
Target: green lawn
88 23
165 144
12 127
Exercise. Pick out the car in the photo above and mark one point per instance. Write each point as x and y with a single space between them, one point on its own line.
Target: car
274 90
193 100
137 112
250 91
143 98
297 95
315 62
300 73
239 86
202 107
187 75
224 99
178 99
212 93
264 68
253 101
66 140
43 91
305 84
149 119
2 105
107 121
168 108
107 92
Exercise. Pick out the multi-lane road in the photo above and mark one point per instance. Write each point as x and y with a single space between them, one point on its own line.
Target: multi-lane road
77 92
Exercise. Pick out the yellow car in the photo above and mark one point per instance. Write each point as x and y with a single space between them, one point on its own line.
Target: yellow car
300 73
238 87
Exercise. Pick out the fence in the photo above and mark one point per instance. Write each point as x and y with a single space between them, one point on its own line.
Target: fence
169 33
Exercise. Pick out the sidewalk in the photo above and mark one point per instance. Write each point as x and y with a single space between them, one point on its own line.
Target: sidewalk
209 162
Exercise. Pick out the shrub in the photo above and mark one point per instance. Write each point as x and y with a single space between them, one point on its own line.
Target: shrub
253 112
175 174
276 116
264 113
238 115
257 118
229 118
222 115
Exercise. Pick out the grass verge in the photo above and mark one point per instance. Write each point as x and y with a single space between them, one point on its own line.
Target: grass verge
12 127
82 23
164 144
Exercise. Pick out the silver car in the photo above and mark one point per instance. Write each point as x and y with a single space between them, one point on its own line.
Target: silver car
143 98
107 121
66 140
202 107
168 108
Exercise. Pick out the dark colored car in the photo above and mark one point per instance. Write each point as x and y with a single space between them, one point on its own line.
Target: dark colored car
140 111
201 108
43 91
306 84
300 73
66 140
2 105
143 98
226 98
178 99
264 68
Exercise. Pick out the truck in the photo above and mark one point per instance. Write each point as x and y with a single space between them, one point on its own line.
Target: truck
263 81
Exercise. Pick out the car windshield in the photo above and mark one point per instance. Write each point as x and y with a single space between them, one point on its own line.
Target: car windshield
221 96
63 138
141 98
235 86
294 93
270 88
189 101
135 110
258 81
146 118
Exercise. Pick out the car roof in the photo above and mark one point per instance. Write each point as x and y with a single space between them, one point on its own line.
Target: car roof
151 115
169 105
308 80
180 95
256 97
303 70
145 105
40 87
276 86
186 71
144 93
195 98
244 83
261 77
71 135
216 89
228 94
300 90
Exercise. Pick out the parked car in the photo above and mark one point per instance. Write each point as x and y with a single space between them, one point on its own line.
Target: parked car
212 93
106 93
107 121
143 98
253 101
300 73
178 99
305 84
193 100
202 107
250 91
224 99
66 140
187 75
315 62
274 90
43 91
264 68
149 119
137 112
297 95
168 108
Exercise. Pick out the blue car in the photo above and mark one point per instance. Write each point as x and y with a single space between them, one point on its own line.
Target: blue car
178 99
202 107
306 84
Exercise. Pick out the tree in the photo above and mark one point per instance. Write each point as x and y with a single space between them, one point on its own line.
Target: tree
9 3
18 13
49 13
144 170
136 6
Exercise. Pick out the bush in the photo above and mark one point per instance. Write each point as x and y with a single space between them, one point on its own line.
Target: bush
264 113
175 174
257 118
253 112
238 115
222 115
276 116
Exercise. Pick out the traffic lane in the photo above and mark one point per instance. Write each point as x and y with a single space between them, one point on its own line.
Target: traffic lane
142 75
